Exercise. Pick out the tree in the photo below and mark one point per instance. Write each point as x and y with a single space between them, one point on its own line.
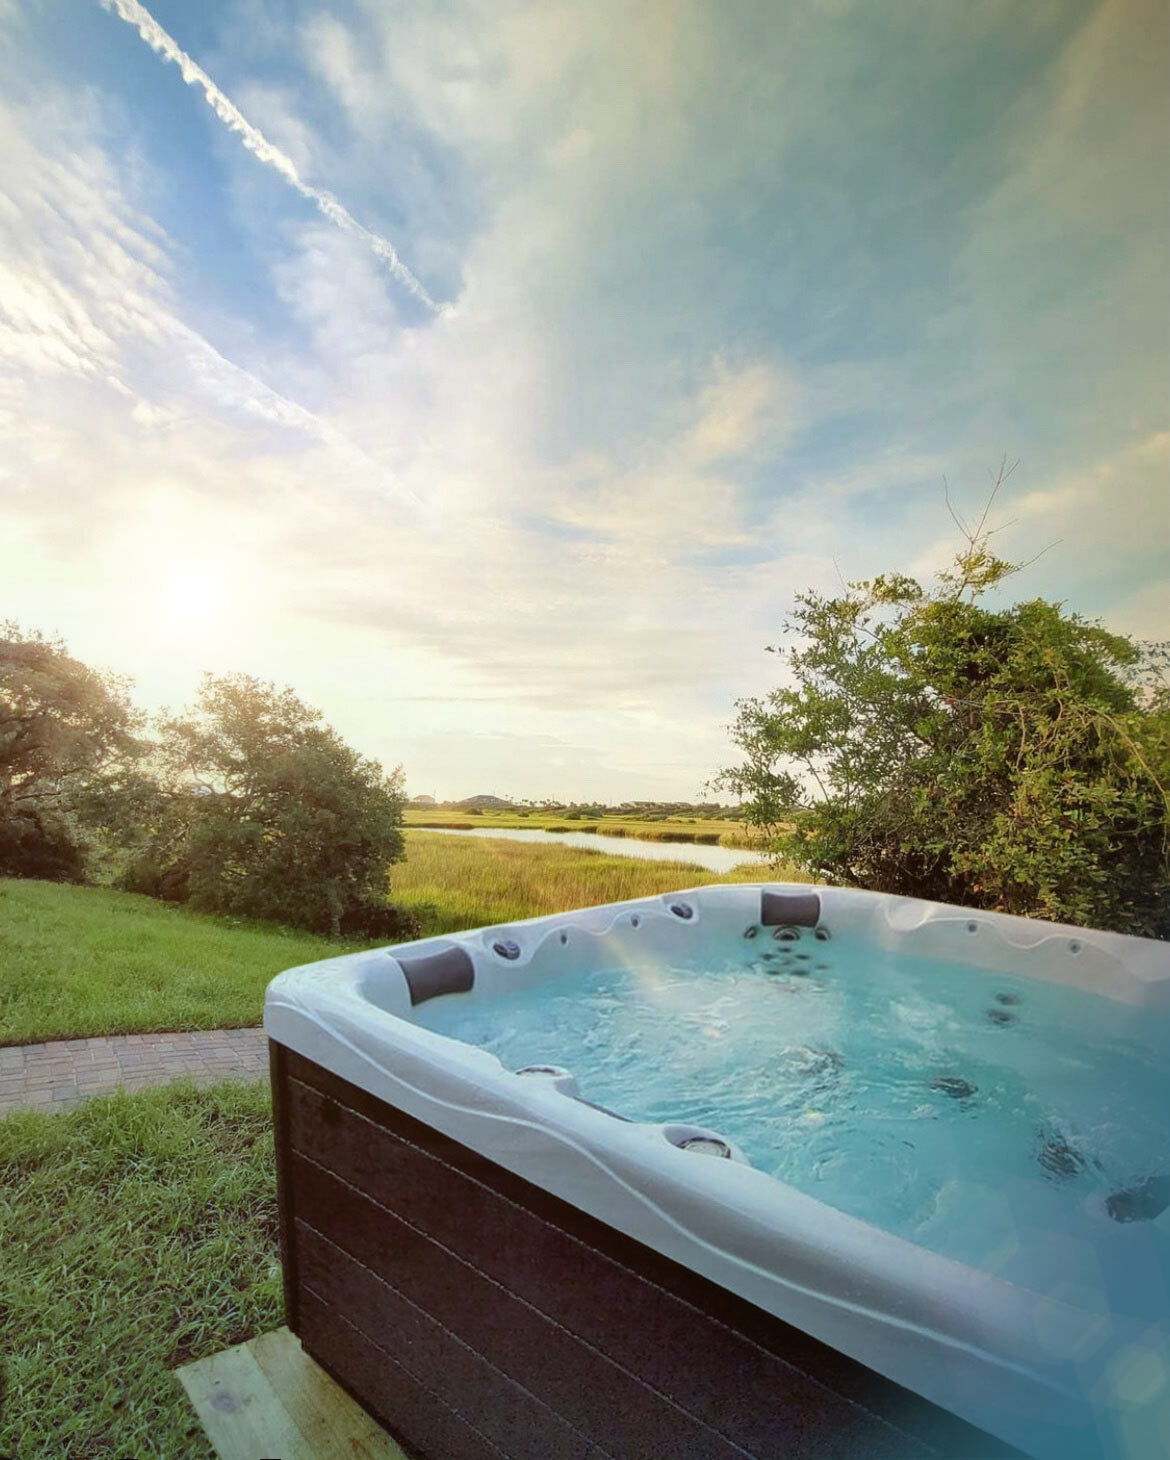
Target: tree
67 748
264 811
1014 759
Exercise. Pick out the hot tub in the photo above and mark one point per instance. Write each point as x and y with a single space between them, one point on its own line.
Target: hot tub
752 1170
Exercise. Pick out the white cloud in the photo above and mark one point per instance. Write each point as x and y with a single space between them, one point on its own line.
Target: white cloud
93 339
275 107
619 493
1062 290
742 410
1145 614
151 465
254 140
331 50
60 232
1107 509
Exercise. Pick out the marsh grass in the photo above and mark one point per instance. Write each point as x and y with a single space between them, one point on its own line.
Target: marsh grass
453 883
138 1233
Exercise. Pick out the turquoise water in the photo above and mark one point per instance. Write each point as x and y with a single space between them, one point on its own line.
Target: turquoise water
1019 1126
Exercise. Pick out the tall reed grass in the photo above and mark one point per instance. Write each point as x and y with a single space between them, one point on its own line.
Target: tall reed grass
452 883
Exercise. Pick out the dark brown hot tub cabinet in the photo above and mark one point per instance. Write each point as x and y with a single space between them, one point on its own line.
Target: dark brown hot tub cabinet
477 1316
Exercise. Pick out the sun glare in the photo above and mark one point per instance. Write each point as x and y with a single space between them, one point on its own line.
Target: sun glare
193 600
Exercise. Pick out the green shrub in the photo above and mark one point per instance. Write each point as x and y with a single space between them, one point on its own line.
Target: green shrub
264 812
35 845
1014 758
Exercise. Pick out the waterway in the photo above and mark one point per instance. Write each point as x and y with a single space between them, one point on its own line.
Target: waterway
715 859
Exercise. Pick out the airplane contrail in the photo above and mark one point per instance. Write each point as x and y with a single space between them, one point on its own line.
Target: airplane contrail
255 141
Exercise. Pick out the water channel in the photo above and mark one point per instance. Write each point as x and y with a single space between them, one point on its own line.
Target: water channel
715 859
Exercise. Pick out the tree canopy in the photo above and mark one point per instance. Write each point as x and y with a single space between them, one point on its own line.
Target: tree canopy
1011 758
263 810
67 744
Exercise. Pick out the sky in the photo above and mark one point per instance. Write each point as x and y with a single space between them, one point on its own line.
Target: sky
494 372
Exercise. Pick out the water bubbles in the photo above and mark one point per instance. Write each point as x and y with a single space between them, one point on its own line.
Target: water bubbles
810 1063
708 1025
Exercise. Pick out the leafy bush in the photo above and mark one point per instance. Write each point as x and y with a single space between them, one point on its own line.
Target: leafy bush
371 920
31 846
1014 759
263 811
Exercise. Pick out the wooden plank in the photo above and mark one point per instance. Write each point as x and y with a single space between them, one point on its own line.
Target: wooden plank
239 1409
335 1426
593 1395
436 1431
500 1409
268 1398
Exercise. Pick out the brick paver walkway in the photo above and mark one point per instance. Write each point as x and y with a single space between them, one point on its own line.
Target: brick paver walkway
62 1074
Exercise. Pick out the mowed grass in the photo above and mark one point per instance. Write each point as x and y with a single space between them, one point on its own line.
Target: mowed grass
456 882
139 1233
80 961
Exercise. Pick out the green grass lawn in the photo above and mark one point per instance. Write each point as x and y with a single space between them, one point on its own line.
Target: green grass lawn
83 960
138 1233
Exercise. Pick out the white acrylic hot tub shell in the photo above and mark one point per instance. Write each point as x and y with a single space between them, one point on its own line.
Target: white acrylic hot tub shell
1033 1368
